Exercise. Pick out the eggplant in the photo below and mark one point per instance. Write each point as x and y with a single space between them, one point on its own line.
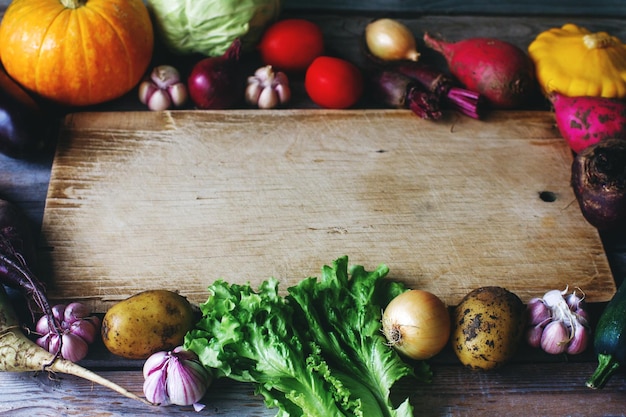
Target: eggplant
25 129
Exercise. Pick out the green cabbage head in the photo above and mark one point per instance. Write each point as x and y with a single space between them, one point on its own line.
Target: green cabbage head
209 27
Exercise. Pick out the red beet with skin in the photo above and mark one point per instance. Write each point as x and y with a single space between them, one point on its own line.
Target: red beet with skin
599 183
584 121
503 73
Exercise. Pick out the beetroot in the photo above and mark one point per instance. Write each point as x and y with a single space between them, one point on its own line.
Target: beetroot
498 70
584 121
599 183
401 91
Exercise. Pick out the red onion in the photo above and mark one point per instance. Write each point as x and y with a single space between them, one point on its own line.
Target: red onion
215 82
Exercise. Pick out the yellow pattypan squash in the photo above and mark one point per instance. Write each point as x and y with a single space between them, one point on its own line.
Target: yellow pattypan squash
575 62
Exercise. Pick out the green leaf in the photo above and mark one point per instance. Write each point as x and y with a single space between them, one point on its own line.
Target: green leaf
343 312
319 351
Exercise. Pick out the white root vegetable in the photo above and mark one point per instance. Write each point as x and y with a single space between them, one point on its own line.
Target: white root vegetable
20 354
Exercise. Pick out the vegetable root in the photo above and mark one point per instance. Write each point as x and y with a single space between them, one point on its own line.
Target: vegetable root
498 70
20 354
16 252
599 183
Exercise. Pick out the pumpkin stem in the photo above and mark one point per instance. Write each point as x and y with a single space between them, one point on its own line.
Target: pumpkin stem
73 4
599 40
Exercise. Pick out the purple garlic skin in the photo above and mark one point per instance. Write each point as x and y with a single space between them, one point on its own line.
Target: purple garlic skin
78 331
558 323
175 377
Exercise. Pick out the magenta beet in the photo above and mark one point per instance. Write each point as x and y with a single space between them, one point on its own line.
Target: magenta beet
584 121
500 71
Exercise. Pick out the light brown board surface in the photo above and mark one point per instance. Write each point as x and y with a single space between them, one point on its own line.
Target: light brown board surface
143 200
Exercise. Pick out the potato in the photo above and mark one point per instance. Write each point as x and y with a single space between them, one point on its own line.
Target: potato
148 322
488 327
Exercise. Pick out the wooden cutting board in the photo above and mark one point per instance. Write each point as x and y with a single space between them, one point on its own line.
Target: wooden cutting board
176 200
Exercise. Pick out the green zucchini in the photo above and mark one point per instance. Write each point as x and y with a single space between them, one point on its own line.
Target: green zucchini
610 339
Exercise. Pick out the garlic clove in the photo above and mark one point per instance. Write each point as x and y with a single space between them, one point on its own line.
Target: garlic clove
582 316
265 74
159 101
54 341
579 341
155 363
533 336
280 78
44 341
58 312
537 312
268 99
555 338
554 298
73 347
42 327
187 381
75 311
253 91
178 94
154 388
165 76
284 93
146 89
574 301
84 329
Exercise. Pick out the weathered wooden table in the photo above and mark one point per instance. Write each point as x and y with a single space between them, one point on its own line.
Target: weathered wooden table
534 384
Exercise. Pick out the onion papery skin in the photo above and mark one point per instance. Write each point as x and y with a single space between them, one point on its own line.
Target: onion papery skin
417 324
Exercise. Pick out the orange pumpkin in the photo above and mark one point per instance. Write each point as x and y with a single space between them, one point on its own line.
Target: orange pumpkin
77 52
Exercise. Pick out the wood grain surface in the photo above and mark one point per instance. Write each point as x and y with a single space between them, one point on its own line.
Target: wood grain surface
141 200
511 391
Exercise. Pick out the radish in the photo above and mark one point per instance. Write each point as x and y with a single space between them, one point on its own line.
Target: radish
498 70
584 121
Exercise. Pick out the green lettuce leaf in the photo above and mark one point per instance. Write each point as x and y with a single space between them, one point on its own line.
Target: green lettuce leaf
343 313
319 351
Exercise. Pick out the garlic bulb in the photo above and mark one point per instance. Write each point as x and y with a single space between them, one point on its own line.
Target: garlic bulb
175 377
558 323
163 89
267 89
78 329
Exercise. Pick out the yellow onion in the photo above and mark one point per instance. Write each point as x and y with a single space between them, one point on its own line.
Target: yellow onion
417 324
390 40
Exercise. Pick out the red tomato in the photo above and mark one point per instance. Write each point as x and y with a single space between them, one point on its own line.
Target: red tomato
333 82
291 44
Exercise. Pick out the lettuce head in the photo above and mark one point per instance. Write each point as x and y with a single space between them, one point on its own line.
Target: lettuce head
209 27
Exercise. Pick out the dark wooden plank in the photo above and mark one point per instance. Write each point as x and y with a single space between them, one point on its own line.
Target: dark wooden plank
512 7
545 389
612 8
